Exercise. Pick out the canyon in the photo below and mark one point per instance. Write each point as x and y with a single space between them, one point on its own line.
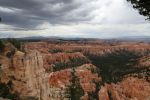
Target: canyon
75 70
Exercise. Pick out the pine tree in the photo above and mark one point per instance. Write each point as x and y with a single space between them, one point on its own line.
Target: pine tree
1 45
143 6
76 91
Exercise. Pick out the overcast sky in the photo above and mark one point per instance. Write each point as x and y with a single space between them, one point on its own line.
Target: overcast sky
71 18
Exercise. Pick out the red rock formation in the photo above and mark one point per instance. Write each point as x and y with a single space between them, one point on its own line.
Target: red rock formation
128 89
87 77
30 78
51 59
60 79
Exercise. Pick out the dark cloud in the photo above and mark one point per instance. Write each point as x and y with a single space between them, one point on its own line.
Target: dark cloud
31 13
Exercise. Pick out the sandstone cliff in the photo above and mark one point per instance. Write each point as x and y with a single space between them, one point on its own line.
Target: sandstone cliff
36 78
29 77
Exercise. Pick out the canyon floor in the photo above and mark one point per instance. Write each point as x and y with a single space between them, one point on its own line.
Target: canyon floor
74 70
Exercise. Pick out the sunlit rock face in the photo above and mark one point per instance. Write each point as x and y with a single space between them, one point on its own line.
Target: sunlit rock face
59 82
36 78
27 74
128 89
89 78
103 94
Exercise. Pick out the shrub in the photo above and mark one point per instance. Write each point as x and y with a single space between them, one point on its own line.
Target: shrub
56 50
113 66
15 42
73 62
5 91
1 45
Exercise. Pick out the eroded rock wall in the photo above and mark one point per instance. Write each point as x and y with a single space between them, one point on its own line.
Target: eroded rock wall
36 77
29 78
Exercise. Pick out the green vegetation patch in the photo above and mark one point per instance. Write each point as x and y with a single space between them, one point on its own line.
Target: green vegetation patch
113 66
73 62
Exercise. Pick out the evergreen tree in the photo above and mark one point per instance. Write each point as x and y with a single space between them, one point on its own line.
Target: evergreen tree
10 84
76 91
15 42
1 45
143 6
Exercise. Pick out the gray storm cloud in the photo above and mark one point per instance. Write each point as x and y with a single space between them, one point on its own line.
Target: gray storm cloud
79 18
30 13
